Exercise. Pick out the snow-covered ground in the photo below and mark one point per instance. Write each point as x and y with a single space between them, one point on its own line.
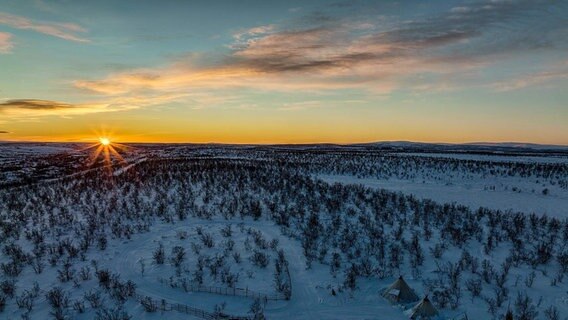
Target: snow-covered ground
492 157
312 207
18 149
527 197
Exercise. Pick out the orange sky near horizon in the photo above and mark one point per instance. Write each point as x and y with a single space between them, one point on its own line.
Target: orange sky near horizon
288 128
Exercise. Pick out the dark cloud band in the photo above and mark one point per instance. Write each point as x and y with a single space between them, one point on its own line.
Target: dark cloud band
33 104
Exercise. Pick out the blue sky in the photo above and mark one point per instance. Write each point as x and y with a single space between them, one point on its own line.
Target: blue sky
284 71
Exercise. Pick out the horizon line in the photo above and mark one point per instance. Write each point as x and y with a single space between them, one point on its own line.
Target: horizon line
478 143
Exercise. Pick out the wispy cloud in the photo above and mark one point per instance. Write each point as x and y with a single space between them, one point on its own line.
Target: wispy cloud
33 104
255 31
531 79
33 108
298 106
328 53
6 44
26 109
67 31
4 132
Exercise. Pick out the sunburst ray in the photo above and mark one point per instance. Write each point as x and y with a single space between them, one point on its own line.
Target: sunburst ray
106 149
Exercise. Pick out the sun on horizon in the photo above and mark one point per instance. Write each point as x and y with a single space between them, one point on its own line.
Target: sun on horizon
104 141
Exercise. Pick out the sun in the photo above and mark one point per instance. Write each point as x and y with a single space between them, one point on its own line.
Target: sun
104 141
108 149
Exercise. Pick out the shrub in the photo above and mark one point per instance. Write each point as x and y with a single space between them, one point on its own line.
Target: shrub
159 255
148 304
104 278
94 298
25 301
178 256
8 288
112 314
79 306
259 259
57 298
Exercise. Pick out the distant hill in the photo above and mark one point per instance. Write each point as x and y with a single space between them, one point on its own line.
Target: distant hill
521 145
465 147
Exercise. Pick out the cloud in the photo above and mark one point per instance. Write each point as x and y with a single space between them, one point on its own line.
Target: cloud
329 53
34 108
336 49
311 59
4 132
531 79
67 31
481 32
298 106
6 44
255 31
33 104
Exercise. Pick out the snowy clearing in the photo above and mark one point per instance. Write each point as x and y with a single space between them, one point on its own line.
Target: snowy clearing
473 194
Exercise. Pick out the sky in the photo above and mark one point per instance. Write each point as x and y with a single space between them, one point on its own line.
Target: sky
284 71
